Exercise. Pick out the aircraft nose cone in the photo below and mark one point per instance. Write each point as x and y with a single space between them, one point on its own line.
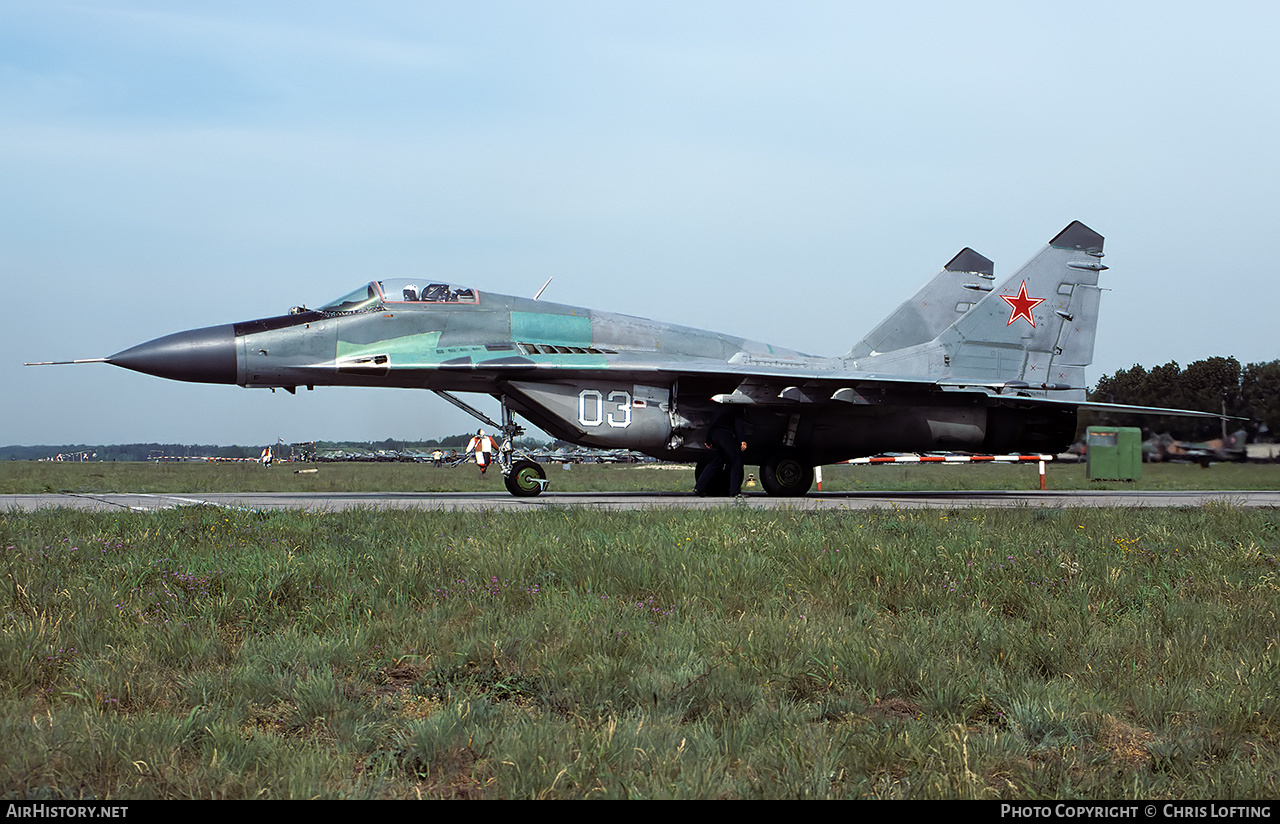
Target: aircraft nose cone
200 355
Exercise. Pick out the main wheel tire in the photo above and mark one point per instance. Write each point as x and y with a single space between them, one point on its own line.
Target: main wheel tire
785 475
524 480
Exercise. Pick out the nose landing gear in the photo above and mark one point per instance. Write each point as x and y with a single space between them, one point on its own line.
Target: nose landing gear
523 477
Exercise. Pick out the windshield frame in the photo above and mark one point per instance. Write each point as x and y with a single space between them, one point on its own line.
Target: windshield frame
364 299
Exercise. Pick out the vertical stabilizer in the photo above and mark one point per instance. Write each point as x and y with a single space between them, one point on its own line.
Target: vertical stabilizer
965 280
1038 328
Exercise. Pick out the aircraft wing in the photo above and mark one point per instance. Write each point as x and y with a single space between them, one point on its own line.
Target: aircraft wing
780 386
760 382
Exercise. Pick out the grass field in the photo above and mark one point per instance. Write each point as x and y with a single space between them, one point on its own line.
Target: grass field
573 653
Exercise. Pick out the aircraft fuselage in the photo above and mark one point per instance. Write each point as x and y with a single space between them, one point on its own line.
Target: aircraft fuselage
593 378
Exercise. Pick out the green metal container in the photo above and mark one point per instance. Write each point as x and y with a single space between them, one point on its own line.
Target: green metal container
1114 453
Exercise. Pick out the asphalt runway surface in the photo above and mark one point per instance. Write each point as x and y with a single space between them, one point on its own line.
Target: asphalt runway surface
501 501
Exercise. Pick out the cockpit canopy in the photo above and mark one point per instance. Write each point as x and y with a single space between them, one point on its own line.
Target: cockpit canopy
379 293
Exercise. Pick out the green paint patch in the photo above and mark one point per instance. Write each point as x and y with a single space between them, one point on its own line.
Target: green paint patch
409 349
562 330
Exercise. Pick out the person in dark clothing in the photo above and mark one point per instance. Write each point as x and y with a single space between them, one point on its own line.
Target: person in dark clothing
728 437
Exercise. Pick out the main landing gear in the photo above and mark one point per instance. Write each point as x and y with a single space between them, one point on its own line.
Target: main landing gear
524 478
785 475
719 487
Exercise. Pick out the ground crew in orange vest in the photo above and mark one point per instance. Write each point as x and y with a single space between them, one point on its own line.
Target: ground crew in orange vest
482 446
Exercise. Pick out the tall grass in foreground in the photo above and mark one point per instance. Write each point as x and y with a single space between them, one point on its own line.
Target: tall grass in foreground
564 653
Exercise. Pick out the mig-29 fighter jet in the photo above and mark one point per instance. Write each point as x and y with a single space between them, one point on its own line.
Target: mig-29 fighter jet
972 368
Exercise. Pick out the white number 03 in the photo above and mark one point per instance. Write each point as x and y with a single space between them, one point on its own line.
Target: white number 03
592 403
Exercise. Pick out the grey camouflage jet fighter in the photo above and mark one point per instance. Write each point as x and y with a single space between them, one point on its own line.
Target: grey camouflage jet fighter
961 366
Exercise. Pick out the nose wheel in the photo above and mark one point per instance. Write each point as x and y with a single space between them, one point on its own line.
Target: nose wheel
525 479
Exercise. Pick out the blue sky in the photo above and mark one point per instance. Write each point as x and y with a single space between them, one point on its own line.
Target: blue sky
788 172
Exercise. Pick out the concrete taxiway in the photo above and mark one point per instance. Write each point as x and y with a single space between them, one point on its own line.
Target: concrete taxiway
500 501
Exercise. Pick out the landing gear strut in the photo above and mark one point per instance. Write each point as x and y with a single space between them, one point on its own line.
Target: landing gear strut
522 476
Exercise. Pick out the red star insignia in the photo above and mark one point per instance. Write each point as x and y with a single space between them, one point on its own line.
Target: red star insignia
1022 305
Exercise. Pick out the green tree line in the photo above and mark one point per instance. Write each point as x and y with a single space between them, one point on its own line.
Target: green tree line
1215 384
125 451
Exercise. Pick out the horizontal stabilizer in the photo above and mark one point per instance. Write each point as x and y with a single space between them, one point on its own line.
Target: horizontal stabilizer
1121 408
